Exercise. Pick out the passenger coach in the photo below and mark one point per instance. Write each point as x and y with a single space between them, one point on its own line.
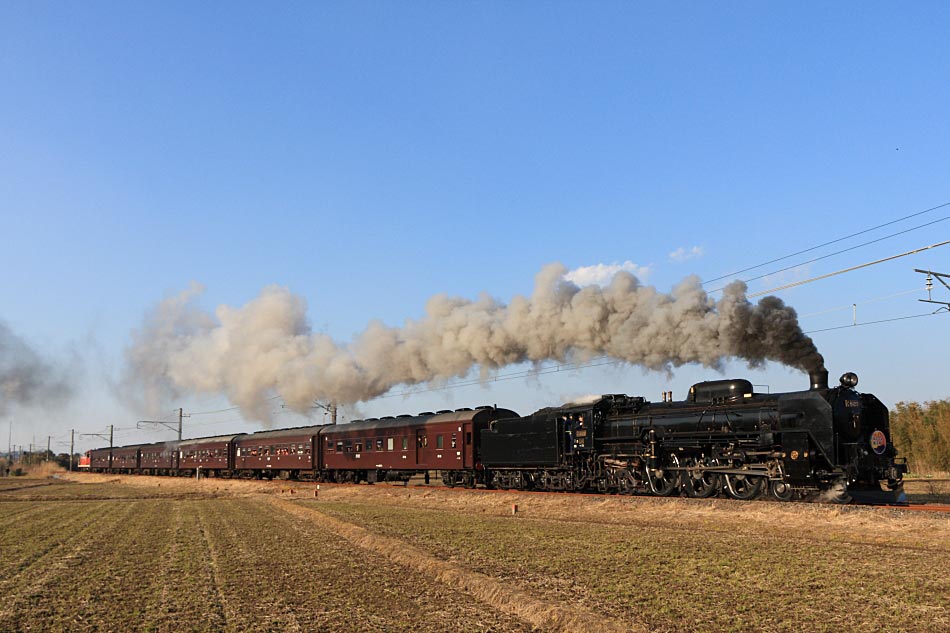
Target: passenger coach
395 449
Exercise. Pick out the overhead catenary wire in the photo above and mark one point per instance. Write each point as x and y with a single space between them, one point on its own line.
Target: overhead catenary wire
829 243
235 408
903 318
861 303
844 250
847 270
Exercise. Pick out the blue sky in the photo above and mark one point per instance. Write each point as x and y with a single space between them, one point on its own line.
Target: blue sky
370 155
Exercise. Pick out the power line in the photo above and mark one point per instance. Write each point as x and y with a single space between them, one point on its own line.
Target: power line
903 318
847 270
835 241
193 413
860 303
844 250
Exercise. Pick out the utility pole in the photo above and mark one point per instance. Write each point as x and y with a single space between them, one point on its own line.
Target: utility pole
10 442
167 425
48 438
103 436
72 444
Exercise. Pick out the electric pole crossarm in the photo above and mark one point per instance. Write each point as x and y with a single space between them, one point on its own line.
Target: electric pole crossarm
171 426
939 276
930 284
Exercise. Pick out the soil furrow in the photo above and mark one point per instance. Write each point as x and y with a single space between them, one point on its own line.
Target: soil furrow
545 615
46 568
224 608
44 538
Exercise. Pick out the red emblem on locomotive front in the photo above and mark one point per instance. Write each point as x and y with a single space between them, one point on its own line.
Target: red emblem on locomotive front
878 442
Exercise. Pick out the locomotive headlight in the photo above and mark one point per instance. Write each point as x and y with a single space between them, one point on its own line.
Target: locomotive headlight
849 379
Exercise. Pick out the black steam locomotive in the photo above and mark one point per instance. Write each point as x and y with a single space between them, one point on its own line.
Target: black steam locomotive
828 443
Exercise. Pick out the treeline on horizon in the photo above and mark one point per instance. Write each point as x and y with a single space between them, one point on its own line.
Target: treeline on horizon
921 433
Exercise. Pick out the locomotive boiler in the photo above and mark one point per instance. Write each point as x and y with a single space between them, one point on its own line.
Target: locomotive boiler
830 443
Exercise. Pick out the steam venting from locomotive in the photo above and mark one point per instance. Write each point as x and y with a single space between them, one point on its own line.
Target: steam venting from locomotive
27 379
266 347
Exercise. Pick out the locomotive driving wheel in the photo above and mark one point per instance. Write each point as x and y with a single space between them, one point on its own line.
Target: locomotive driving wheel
664 481
744 487
701 484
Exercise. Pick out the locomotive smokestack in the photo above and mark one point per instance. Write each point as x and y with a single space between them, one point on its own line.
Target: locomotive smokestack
819 378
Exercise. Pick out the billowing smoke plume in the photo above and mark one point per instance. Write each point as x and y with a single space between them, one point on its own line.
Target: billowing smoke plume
267 347
26 378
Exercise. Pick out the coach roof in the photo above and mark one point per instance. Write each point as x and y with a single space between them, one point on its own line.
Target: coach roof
459 415
299 431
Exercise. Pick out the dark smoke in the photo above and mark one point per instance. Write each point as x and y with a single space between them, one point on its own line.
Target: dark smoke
266 346
26 378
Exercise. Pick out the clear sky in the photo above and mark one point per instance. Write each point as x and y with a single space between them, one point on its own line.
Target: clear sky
370 155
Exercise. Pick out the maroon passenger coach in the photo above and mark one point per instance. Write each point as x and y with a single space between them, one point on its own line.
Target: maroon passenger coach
210 454
284 453
395 449
158 459
125 459
100 459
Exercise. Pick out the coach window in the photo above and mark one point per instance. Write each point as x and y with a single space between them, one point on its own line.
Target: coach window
349 446
454 443
389 443
379 445
405 443
359 447
329 447
339 446
438 441
369 445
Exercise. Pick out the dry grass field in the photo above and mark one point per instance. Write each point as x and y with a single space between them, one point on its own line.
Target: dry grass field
106 553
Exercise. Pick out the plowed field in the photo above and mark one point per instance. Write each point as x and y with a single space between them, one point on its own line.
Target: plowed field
128 554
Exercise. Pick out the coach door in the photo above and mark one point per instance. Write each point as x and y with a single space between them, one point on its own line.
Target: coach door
464 443
421 442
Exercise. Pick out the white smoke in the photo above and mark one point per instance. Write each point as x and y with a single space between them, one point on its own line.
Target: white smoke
267 347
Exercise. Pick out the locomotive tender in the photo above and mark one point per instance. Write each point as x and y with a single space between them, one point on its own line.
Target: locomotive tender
724 438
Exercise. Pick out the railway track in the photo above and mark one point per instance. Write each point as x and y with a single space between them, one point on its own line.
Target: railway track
916 507
306 486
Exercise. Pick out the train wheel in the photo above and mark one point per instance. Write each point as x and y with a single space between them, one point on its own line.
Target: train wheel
781 491
744 487
664 482
703 485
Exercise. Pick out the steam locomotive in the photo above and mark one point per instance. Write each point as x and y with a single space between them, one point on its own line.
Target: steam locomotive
723 439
